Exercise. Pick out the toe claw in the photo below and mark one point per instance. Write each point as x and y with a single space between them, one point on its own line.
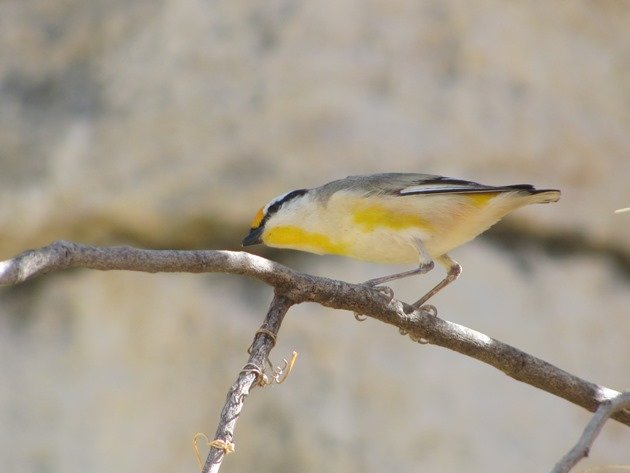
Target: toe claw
385 291
420 340
428 309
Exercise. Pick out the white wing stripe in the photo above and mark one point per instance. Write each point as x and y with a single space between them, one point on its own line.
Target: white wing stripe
440 188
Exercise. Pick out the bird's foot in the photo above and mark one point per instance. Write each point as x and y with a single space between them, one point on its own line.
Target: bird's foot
386 293
428 309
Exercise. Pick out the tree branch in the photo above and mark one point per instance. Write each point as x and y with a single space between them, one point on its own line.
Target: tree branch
592 430
298 287
259 352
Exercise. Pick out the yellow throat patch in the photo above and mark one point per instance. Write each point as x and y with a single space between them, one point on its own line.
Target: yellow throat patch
289 236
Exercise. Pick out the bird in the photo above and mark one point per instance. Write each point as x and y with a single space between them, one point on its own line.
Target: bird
396 218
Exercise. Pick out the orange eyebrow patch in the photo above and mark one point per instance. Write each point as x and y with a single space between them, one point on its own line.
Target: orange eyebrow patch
258 218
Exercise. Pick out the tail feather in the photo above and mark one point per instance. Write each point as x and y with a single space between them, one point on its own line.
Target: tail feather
544 196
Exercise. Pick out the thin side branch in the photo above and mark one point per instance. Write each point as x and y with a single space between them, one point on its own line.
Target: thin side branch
251 373
299 287
592 430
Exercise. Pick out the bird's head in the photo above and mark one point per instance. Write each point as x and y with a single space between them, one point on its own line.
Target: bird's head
282 210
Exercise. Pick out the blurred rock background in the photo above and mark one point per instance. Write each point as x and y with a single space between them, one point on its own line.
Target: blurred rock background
166 124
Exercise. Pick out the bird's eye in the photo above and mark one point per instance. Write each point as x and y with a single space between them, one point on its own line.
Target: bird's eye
273 206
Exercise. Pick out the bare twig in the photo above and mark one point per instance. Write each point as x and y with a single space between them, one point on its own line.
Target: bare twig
582 447
592 430
261 346
299 287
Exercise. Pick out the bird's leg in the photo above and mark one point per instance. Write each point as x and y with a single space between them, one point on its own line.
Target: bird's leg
423 268
426 265
453 271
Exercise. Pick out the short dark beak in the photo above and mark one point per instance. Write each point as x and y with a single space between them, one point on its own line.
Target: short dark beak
253 238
